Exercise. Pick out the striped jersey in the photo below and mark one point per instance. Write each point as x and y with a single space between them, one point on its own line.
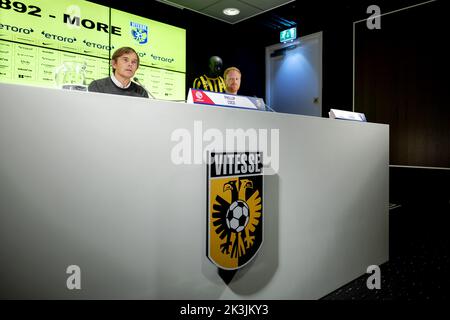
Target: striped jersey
209 84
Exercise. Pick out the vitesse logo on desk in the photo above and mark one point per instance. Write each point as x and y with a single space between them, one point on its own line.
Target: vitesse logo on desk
235 208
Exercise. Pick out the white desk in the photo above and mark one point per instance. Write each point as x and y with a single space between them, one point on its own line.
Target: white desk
87 179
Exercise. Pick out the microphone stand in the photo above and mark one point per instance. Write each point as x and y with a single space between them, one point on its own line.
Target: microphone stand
268 107
139 83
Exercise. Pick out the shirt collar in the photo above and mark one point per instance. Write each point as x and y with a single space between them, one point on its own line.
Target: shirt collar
118 83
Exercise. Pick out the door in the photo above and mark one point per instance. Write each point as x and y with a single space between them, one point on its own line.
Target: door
294 76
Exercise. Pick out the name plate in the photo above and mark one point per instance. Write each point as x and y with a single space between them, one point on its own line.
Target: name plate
346 115
223 99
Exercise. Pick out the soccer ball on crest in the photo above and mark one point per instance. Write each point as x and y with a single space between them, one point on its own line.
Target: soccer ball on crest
237 216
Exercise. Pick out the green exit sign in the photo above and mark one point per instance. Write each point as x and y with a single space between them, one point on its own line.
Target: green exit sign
288 35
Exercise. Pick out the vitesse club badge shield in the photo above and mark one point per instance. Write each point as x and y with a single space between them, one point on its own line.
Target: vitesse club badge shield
235 208
139 32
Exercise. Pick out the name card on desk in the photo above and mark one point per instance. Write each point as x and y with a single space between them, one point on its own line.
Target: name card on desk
223 99
346 115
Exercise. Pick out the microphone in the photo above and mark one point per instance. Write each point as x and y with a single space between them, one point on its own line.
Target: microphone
139 83
268 107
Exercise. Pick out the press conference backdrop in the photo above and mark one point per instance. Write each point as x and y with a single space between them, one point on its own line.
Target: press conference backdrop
38 36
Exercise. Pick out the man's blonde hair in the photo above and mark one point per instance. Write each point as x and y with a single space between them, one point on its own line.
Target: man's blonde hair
227 70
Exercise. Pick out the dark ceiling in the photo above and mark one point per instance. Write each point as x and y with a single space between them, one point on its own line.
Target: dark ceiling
214 8
279 18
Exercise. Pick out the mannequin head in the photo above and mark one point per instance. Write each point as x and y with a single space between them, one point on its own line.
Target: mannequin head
215 67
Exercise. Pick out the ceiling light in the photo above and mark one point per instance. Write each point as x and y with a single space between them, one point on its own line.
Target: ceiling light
231 11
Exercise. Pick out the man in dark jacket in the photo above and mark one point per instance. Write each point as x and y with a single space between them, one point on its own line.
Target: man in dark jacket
125 62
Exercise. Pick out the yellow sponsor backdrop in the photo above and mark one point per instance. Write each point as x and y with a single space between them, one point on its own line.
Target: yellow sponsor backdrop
43 23
162 45
38 36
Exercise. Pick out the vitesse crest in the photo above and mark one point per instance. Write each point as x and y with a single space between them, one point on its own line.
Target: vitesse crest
139 32
235 208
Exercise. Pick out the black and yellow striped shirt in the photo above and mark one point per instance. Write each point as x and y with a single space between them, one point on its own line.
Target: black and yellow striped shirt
209 84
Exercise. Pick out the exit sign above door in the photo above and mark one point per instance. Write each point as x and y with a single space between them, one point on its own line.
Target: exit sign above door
288 35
